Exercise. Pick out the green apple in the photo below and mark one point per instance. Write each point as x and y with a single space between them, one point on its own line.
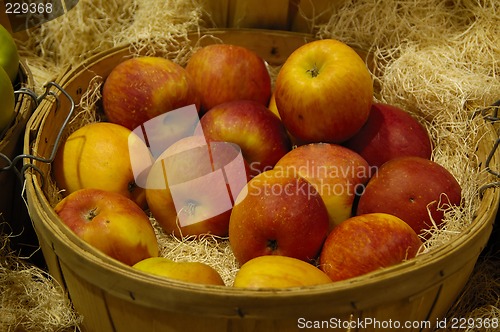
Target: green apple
6 100
9 57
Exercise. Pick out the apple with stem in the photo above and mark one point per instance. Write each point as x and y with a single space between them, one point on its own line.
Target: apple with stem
278 213
324 92
111 223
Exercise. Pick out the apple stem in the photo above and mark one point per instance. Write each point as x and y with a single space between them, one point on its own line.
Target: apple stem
272 244
314 71
91 214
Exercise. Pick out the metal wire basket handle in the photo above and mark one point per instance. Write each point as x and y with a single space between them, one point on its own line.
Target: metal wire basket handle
12 164
491 114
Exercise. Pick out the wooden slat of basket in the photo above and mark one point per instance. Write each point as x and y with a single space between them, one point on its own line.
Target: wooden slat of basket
263 14
288 15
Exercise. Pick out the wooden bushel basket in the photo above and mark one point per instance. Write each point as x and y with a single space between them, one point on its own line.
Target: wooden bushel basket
11 145
114 297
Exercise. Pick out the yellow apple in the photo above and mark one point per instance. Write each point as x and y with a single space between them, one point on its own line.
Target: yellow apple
278 272
111 223
97 155
195 272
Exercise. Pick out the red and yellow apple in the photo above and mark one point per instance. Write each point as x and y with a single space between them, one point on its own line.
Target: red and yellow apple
414 189
253 127
195 272
366 243
111 223
141 88
9 56
390 132
324 92
191 187
273 271
336 172
97 155
273 108
278 213
223 73
7 103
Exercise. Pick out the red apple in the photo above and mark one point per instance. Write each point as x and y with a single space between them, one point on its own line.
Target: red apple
390 132
366 243
259 133
336 172
192 186
111 223
139 89
324 92
223 72
278 214
413 189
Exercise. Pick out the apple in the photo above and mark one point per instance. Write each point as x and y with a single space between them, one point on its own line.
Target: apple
390 132
413 189
111 223
324 92
366 243
278 213
224 72
97 155
273 108
141 88
278 272
336 172
192 186
195 272
258 132
9 56
7 103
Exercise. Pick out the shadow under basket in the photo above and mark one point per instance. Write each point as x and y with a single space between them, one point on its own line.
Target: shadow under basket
114 297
